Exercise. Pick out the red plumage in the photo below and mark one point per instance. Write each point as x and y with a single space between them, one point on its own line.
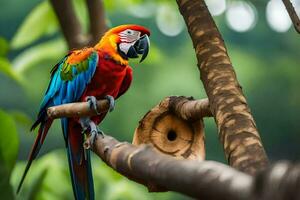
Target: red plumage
111 78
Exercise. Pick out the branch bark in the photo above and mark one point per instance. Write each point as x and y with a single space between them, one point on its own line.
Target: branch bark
183 107
292 13
79 109
189 108
236 126
198 179
147 166
69 23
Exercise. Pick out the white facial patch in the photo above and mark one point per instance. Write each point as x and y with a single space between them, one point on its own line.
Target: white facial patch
124 46
129 35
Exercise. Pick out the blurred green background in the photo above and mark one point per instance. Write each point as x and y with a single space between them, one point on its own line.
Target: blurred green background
262 44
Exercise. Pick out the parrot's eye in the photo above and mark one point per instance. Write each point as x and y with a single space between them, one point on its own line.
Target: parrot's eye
129 32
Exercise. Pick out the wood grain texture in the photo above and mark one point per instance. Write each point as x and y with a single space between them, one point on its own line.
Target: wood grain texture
173 128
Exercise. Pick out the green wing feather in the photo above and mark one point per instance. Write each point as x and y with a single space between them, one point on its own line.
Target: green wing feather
69 71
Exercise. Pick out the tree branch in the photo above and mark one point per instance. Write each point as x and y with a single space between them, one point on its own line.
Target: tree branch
69 23
198 179
292 13
80 109
237 129
188 108
97 20
147 166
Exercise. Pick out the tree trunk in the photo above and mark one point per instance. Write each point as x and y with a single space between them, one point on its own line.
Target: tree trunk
236 126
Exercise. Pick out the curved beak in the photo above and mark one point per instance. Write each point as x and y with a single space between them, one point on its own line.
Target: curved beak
139 47
142 46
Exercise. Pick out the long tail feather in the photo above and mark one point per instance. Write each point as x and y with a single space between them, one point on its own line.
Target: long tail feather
79 161
42 133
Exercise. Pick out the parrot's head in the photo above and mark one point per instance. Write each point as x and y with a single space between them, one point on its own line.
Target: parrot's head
124 42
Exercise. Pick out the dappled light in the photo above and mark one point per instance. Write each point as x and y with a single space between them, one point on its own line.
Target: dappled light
277 17
168 21
241 16
216 7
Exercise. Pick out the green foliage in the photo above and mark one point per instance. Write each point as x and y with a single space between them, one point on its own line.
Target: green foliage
21 118
8 152
49 179
5 188
5 65
41 21
3 47
9 140
32 56
6 68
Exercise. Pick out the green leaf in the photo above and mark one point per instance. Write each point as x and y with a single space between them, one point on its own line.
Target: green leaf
48 178
5 68
9 142
40 22
5 188
3 47
36 187
21 118
30 57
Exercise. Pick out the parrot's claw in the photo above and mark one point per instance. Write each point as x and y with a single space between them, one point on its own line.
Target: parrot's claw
88 126
111 101
89 143
93 103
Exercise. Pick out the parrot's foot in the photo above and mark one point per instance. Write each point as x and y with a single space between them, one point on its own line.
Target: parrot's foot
111 101
93 103
92 131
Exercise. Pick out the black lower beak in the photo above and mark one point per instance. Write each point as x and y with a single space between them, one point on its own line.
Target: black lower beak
140 47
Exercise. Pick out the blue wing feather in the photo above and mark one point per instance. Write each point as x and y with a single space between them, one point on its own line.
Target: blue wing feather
66 91
61 91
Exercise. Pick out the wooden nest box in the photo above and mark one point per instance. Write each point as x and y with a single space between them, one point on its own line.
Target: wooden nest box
172 129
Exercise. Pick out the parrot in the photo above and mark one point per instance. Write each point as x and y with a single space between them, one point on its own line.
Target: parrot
85 75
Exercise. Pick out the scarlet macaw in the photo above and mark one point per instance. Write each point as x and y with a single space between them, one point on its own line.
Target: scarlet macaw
88 74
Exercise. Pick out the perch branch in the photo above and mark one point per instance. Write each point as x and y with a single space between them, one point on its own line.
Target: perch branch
237 130
80 109
292 13
97 20
147 166
69 23
188 108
